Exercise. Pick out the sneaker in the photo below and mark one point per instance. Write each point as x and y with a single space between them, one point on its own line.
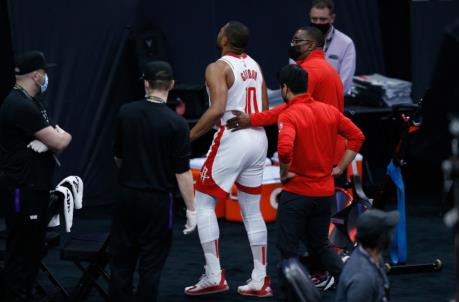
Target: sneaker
208 285
260 288
323 281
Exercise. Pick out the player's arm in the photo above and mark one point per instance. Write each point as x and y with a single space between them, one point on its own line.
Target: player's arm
218 93
55 139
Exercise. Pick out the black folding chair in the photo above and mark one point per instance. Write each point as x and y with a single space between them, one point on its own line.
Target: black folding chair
296 283
90 249
52 240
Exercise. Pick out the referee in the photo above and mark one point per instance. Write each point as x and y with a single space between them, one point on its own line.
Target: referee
152 149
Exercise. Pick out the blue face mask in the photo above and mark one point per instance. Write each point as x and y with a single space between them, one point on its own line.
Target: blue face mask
44 86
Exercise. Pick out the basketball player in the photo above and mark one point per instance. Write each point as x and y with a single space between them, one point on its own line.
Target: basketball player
234 82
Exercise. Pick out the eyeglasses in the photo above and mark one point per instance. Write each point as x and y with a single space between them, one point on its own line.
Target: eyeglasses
296 42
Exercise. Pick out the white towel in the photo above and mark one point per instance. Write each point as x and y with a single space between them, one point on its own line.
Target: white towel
75 184
67 198
55 221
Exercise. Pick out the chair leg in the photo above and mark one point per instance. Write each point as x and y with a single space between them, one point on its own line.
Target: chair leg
53 280
87 281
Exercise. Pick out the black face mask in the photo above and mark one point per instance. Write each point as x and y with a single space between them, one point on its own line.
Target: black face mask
322 27
284 97
294 52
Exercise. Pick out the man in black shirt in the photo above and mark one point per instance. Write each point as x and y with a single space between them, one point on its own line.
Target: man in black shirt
27 162
152 150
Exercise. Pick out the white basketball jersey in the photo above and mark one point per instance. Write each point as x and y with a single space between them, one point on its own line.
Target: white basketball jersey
246 92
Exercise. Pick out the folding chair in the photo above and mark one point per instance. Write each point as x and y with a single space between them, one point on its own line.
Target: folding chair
52 240
296 282
90 248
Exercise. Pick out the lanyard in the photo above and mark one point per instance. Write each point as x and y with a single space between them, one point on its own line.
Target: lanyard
42 111
155 99
39 104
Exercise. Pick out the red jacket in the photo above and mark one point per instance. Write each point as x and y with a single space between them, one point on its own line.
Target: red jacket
324 84
308 131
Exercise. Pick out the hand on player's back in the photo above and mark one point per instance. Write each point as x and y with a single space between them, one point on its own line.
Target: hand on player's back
240 121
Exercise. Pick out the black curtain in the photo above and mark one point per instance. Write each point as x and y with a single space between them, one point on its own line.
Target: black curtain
97 65
428 21
360 20
84 38
6 52
396 37
191 28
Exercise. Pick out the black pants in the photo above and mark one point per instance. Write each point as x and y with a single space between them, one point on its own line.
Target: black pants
26 222
301 217
141 231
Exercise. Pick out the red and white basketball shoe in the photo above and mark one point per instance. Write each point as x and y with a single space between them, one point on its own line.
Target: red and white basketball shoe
261 288
208 284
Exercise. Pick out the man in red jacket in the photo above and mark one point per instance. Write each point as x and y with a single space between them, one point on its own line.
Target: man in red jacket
324 83
308 131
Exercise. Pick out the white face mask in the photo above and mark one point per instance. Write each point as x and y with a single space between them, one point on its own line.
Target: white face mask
44 86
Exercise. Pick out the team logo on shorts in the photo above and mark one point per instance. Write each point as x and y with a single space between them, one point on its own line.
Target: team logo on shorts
203 174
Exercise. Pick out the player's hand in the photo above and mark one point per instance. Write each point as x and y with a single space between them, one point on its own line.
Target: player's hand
337 171
37 146
240 121
190 225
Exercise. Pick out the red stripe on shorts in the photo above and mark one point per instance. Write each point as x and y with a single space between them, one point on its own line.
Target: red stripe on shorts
249 190
205 183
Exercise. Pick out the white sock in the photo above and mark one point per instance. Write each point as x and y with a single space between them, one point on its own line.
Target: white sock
212 258
256 231
259 262
208 232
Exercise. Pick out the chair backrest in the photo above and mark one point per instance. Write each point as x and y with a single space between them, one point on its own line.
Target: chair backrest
298 286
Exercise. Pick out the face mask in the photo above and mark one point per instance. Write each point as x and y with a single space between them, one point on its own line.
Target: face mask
44 86
322 27
284 97
294 52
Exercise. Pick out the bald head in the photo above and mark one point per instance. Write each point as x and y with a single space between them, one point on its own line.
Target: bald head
313 34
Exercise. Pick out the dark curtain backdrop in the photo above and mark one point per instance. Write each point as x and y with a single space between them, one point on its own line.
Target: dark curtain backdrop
97 68
191 28
6 52
83 38
428 22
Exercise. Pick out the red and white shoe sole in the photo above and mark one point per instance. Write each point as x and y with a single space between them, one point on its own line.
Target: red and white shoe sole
256 293
206 291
